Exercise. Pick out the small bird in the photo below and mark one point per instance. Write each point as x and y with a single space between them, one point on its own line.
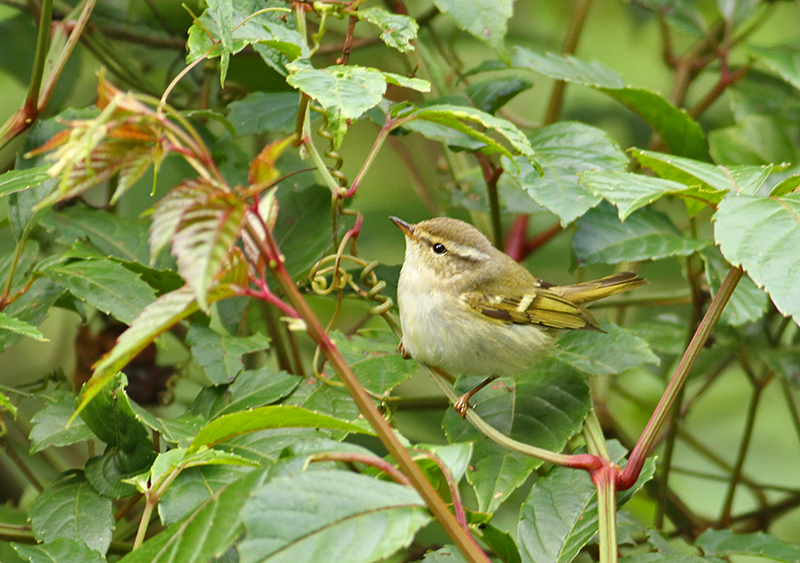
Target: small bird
468 308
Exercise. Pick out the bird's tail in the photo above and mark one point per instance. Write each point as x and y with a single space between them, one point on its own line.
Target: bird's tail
598 289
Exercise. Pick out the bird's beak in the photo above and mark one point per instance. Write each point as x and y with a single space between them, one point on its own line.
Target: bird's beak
407 228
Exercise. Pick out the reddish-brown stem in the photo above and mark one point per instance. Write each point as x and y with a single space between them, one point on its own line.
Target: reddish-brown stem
517 247
628 476
376 462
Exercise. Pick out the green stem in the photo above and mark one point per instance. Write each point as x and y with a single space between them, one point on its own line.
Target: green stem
588 462
42 47
593 432
631 472
147 513
606 483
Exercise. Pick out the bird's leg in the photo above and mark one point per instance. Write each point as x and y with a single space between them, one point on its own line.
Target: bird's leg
462 403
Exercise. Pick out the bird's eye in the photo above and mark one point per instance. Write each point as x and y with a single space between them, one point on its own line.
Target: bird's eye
439 248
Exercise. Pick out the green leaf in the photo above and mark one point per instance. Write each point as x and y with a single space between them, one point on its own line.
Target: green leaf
194 486
105 285
329 516
723 543
501 543
683 135
486 20
319 396
62 550
268 447
204 241
602 238
118 237
747 304
629 192
264 112
762 235
560 514
207 531
227 27
453 117
112 419
8 406
179 430
31 308
374 359
755 140
491 95
258 387
18 180
220 355
281 416
565 151
446 554
50 427
70 508
397 30
12 324
604 353
542 408
782 59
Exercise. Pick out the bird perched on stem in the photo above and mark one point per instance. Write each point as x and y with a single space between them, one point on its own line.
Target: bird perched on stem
468 308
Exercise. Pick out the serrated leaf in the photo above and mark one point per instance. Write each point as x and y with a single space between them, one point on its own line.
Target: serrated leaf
207 531
204 241
375 362
267 447
747 304
15 325
491 95
454 116
31 308
258 387
565 151
319 396
18 180
105 285
560 514
604 353
50 427
62 550
762 234
155 319
602 238
542 408
264 112
724 543
754 140
782 59
220 355
683 135
486 20
329 516
71 509
118 237
397 30
501 543
179 430
629 192
280 416
194 486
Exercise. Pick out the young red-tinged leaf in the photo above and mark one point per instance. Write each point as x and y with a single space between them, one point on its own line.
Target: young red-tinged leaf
154 320
263 169
205 239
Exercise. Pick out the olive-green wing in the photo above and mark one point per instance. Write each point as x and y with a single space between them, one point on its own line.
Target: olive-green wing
540 307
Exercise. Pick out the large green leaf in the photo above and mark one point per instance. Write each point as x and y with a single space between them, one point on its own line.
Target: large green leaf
397 30
602 238
50 426
374 359
205 532
542 408
118 237
486 20
754 140
258 387
70 508
18 180
565 151
604 353
31 308
560 514
783 59
264 112
683 135
491 95
62 550
724 543
220 355
280 416
105 285
329 516
15 325
762 234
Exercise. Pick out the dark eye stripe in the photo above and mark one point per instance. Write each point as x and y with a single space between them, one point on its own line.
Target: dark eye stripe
439 248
